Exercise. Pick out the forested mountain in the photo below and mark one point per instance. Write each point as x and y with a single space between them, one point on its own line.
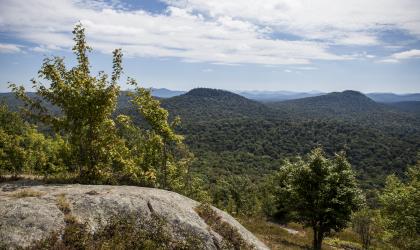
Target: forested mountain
410 107
11 100
275 96
230 134
350 106
334 104
391 97
204 104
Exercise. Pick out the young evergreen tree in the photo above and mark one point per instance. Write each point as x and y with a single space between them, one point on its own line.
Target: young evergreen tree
400 211
320 193
102 150
85 103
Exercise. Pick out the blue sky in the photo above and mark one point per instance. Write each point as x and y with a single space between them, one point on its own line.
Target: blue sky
295 45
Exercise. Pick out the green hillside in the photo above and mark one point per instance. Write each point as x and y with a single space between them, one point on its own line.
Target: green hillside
213 104
230 134
409 106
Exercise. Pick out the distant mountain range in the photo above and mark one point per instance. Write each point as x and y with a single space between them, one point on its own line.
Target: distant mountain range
274 96
232 134
269 96
390 97
409 107
166 93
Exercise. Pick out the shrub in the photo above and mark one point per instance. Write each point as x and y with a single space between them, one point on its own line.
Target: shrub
231 237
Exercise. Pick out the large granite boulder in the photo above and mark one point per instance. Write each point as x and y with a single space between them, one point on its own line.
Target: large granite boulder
30 212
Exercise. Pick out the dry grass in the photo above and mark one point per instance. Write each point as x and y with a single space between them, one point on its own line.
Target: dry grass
63 204
28 192
130 231
276 237
342 244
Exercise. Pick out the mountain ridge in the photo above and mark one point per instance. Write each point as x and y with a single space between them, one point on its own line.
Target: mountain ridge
348 105
214 103
231 134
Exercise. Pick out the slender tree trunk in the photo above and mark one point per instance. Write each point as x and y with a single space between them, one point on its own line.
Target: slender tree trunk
318 237
164 167
315 240
80 160
188 181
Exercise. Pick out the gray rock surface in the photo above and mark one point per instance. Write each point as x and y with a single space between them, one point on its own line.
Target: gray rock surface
33 217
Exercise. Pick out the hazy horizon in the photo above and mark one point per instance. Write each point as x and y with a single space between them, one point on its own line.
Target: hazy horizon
259 91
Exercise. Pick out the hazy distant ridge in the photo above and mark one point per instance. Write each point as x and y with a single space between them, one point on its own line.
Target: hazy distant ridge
273 96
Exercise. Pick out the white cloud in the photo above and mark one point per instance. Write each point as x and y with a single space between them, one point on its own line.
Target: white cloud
45 48
207 70
397 57
388 60
354 22
306 68
414 53
219 31
356 39
9 48
178 33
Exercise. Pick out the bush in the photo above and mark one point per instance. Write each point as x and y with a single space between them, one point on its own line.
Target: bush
231 237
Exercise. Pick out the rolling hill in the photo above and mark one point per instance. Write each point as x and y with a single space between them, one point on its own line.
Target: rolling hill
203 104
391 97
409 107
333 104
350 106
232 135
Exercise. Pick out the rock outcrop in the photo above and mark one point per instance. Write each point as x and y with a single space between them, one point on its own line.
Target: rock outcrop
30 212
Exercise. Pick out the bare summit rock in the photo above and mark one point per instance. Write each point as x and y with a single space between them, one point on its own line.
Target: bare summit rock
29 212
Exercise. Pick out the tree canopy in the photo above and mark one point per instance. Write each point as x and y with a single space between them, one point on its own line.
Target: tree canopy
400 211
79 108
319 192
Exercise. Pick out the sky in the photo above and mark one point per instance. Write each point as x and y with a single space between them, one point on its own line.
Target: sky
294 45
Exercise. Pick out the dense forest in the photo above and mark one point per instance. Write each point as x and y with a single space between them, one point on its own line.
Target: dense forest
230 134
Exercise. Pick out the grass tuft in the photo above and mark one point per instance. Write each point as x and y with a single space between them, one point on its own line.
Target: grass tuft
63 204
28 192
